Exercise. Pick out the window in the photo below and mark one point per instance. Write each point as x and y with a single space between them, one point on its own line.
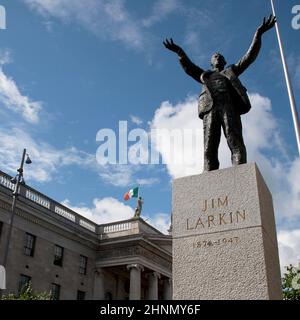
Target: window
55 291
29 244
82 264
80 295
58 255
24 281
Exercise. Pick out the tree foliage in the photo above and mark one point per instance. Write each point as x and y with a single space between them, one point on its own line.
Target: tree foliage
291 283
27 293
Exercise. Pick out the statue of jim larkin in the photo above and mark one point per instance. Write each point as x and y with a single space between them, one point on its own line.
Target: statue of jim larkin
223 99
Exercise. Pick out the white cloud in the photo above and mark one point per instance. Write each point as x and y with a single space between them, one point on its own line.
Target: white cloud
46 159
106 19
289 244
160 221
191 38
104 210
294 68
261 135
147 181
287 191
120 175
160 10
199 23
114 21
297 74
5 56
181 116
11 96
260 127
136 120
109 209
259 124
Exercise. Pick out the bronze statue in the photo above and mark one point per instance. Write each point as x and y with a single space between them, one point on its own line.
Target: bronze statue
138 209
223 99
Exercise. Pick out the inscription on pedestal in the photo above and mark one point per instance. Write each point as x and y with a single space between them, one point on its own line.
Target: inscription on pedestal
207 219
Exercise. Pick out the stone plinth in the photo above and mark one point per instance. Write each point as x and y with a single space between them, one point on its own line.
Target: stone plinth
224 236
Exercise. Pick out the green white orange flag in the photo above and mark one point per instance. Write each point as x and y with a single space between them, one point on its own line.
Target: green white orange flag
132 193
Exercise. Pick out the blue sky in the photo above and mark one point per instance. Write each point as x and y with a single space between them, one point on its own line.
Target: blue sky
72 67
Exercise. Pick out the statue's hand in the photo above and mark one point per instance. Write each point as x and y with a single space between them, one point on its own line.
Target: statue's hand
266 25
171 45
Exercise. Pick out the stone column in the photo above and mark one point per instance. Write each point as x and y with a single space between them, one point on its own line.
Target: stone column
99 292
167 289
153 285
135 281
119 283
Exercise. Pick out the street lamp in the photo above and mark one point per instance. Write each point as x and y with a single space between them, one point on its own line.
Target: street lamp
17 180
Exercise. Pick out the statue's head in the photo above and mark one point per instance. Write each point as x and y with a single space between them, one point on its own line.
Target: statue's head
218 61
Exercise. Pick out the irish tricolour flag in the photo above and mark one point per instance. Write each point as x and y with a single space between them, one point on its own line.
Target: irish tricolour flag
132 193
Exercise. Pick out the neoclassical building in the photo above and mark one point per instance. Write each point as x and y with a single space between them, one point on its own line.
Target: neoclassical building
60 251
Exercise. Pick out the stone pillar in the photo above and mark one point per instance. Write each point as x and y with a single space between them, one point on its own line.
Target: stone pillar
99 292
135 281
224 236
153 285
167 289
2 279
119 285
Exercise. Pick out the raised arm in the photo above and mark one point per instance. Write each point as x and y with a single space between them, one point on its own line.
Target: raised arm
255 46
189 67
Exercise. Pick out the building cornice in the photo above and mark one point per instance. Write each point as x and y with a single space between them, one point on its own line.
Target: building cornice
29 214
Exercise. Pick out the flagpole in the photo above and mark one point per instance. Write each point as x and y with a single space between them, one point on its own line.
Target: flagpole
288 83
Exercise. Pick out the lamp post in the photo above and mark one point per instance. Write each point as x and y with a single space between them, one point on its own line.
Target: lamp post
17 180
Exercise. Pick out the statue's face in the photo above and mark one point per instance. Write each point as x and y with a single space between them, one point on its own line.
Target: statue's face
218 61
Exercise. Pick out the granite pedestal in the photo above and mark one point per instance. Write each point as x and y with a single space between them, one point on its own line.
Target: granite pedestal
224 236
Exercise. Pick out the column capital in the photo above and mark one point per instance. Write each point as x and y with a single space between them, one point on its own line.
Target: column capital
99 271
136 266
169 280
99 284
153 277
154 274
135 270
